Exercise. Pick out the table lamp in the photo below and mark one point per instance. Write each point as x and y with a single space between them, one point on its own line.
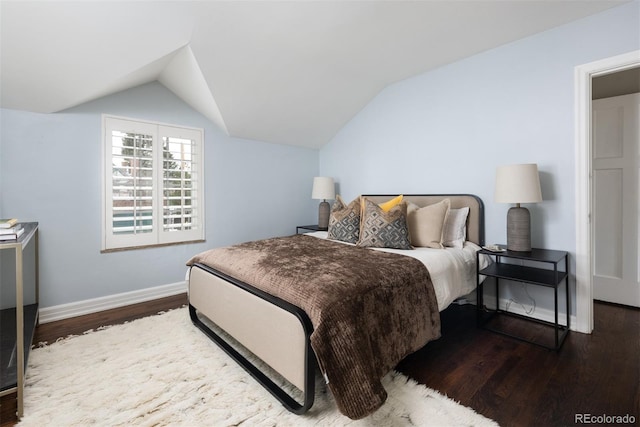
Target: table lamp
518 184
323 189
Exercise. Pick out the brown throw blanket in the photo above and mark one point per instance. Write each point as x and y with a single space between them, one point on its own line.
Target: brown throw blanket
369 309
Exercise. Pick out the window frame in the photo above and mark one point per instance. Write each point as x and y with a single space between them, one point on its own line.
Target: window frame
158 236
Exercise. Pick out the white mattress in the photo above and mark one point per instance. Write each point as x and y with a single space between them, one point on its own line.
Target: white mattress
453 271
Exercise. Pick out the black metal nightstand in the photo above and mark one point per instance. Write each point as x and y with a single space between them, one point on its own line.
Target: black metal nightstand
309 228
505 268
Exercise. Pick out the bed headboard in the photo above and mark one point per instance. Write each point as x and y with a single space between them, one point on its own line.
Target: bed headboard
475 220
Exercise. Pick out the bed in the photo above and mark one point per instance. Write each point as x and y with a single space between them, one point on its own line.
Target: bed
307 303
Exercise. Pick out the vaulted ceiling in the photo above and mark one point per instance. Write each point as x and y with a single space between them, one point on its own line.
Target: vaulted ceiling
290 72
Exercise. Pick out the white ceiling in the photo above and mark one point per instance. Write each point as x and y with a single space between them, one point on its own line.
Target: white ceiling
290 72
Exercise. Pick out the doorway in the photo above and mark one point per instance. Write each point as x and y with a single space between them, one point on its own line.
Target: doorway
614 169
584 182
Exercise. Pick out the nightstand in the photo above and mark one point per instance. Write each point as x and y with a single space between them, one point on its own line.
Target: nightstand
539 268
308 228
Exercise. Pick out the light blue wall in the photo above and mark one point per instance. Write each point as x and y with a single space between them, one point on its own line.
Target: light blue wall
51 173
447 130
443 131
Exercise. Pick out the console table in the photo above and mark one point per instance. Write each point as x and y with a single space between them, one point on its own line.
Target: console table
18 323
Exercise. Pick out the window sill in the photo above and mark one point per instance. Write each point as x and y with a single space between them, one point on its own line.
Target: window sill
159 245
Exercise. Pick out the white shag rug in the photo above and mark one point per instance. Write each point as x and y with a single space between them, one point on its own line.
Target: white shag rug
162 370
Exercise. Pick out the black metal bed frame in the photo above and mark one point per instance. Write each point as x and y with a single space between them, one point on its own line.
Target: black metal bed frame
278 392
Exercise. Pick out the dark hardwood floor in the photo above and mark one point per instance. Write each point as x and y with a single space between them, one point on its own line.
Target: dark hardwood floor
512 382
49 332
519 384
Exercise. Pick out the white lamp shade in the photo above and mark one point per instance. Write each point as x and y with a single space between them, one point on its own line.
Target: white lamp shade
518 184
323 188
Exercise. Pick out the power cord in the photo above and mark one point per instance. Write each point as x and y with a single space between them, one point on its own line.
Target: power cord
526 291
533 301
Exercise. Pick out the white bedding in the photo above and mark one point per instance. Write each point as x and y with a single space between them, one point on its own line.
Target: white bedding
453 271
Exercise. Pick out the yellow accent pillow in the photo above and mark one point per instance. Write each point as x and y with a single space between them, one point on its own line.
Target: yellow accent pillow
386 206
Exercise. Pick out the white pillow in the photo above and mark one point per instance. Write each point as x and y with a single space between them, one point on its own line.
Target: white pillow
454 231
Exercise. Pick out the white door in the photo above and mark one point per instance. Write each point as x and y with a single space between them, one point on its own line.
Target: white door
616 198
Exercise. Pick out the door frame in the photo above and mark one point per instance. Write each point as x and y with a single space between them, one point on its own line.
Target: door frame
583 192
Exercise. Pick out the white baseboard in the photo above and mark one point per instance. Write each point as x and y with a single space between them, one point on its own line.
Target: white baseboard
94 305
539 312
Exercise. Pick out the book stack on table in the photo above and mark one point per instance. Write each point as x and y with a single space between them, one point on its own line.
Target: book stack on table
10 229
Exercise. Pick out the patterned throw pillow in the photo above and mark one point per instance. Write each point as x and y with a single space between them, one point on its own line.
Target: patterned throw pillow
344 221
382 229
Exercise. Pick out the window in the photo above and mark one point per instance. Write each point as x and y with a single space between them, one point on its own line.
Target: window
153 184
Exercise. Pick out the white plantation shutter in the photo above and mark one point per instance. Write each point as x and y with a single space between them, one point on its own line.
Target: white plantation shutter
181 189
153 191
